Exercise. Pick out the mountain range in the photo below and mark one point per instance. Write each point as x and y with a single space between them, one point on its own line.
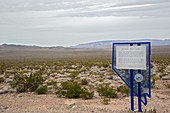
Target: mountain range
97 44
108 44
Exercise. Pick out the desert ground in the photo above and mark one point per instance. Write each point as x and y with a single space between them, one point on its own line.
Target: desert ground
89 68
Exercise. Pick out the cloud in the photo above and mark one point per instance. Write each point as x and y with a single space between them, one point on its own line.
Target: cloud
87 8
59 20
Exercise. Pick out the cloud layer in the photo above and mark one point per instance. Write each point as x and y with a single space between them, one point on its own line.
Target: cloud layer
54 22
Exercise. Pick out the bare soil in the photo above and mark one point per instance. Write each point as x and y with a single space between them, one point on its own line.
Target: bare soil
32 103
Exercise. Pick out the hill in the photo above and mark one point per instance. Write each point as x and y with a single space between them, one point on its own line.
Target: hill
107 44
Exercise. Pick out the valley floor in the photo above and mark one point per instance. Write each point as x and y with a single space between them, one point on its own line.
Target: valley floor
50 103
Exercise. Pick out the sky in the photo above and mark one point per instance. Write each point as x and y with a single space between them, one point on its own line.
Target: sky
71 22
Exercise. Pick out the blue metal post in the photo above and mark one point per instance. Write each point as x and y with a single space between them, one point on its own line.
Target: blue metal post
139 95
131 89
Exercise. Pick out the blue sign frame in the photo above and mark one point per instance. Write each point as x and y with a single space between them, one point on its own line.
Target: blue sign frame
131 80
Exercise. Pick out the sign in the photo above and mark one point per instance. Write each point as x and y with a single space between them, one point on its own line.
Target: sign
131 57
131 62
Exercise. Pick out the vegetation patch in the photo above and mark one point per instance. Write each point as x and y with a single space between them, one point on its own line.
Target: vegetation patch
41 90
71 89
84 82
123 89
24 83
106 91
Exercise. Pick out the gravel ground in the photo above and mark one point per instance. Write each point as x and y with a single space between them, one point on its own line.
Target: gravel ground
32 103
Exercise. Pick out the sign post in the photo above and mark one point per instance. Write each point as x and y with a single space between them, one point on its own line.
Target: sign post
131 62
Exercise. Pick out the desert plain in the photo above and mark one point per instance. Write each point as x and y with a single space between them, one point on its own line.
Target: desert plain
89 68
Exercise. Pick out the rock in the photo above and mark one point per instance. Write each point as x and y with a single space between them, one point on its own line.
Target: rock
166 78
11 90
112 86
50 87
8 80
119 95
72 105
46 81
51 91
45 76
4 90
63 79
3 108
81 75
96 94
53 74
109 77
95 76
51 78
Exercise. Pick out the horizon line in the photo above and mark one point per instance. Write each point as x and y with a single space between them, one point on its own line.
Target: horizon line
37 45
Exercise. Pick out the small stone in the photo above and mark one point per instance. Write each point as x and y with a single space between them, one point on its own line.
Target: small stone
45 76
11 90
109 77
53 74
4 90
50 87
166 78
8 80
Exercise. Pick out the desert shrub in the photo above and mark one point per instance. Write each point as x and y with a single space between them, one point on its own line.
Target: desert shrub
2 79
84 82
20 83
151 110
34 80
41 90
85 94
2 68
153 80
106 91
71 89
24 83
74 74
106 64
167 85
123 89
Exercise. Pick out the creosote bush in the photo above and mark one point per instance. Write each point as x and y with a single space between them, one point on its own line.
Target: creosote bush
150 110
107 91
2 79
24 83
71 89
153 80
123 89
41 90
84 82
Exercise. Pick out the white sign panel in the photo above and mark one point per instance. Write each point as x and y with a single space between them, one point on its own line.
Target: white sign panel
131 57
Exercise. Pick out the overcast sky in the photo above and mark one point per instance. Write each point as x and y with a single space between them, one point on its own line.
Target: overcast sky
70 22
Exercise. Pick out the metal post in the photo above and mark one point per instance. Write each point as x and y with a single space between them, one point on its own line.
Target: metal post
139 93
131 89
139 97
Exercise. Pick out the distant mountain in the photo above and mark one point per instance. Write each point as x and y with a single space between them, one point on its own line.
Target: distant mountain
26 47
93 45
108 44
13 46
